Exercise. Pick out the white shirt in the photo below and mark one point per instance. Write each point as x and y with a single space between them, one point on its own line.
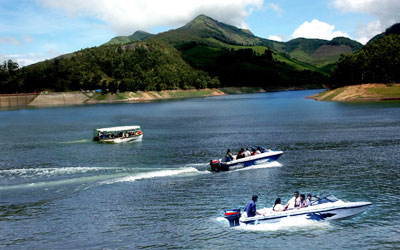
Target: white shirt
294 201
247 153
278 207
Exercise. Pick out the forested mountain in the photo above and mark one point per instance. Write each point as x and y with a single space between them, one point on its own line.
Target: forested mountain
320 52
207 31
377 62
150 65
203 53
137 36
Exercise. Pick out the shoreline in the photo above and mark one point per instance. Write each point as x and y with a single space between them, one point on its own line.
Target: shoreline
368 92
57 99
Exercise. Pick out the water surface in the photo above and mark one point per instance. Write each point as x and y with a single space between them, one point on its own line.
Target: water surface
60 190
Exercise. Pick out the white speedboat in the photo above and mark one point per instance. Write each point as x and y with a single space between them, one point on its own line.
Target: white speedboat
327 208
266 155
118 134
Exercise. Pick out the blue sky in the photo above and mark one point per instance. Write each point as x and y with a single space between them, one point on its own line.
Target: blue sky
35 30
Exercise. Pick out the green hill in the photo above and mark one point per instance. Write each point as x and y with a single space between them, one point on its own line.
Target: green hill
145 65
137 36
207 31
394 29
202 53
376 62
319 52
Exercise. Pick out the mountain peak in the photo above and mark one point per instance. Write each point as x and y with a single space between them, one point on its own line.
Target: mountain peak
200 21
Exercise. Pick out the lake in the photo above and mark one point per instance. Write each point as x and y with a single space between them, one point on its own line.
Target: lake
61 190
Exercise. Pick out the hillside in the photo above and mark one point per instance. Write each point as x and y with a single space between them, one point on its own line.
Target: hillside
394 29
378 61
319 52
137 36
204 30
150 65
361 93
202 53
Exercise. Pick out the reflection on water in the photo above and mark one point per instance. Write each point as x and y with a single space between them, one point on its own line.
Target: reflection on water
58 187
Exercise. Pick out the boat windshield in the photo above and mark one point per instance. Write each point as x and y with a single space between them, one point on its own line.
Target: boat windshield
262 148
327 199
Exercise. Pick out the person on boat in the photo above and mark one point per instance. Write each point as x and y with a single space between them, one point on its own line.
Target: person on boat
293 202
258 150
241 154
247 152
253 151
308 200
278 205
228 156
303 202
251 208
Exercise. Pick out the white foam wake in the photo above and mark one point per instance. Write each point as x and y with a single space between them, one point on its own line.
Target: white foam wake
154 174
260 165
288 224
38 172
285 224
47 184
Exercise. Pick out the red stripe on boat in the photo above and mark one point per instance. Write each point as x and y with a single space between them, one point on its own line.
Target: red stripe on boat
231 213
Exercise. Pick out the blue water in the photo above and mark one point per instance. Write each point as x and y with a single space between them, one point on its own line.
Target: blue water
60 190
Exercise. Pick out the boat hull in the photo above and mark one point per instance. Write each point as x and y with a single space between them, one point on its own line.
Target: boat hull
315 213
122 139
269 156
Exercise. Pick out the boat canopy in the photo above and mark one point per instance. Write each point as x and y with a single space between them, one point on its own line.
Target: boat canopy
116 129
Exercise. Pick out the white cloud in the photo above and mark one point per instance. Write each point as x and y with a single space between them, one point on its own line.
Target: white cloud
126 16
386 13
317 29
276 38
29 58
366 32
385 10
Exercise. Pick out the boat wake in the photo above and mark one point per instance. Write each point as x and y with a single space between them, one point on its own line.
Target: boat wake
285 224
263 164
51 172
25 178
48 184
76 141
155 174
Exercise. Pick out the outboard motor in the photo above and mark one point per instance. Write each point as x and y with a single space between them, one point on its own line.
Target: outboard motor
233 216
215 164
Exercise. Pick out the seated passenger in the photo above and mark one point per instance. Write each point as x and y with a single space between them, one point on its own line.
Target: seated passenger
253 152
303 202
228 156
241 154
293 202
278 206
309 200
247 152
258 150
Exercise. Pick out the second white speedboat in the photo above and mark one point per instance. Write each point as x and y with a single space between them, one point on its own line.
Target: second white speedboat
327 208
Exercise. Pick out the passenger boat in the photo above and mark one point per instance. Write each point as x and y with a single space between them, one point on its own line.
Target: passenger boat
327 208
118 134
265 155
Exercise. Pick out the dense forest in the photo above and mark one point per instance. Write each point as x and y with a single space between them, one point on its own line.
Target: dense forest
138 66
246 67
377 62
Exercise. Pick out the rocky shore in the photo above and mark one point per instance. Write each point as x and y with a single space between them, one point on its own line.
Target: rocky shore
370 92
46 99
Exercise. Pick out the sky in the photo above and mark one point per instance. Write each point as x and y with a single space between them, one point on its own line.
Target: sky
36 30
